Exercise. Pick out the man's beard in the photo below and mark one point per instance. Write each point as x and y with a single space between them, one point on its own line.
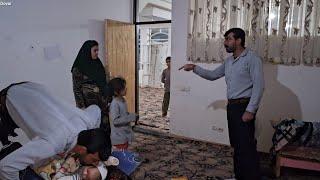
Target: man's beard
229 49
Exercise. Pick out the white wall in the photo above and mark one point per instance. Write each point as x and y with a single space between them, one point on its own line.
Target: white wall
198 106
29 27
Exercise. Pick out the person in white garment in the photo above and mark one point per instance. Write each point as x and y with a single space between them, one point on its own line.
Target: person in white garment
54 128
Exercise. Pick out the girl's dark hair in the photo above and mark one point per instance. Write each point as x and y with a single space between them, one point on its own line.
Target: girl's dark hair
96 140
117 84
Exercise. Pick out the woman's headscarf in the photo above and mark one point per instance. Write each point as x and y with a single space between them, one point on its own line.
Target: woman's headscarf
92 68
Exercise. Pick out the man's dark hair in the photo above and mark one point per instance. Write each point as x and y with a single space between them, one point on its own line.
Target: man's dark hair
168 58
237 33
96 140
117 84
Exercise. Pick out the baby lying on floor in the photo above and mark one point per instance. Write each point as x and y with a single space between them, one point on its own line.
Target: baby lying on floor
69 168
85 173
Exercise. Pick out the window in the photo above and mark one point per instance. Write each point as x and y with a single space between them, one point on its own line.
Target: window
153 10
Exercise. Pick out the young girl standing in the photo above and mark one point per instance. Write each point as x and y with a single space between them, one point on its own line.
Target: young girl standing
120 118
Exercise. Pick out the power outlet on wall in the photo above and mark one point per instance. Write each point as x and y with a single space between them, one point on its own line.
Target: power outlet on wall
185 89
215 128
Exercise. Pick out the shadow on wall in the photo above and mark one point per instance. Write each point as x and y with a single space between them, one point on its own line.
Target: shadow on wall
278 102
218 104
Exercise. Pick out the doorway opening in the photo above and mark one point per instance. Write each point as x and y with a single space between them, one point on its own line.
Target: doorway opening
153 46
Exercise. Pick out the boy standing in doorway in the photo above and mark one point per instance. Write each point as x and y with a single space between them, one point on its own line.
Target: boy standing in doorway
165 78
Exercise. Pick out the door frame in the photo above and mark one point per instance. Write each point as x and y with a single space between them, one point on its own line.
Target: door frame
136 23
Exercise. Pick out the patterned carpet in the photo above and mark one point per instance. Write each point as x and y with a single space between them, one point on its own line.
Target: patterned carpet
150 102
170 157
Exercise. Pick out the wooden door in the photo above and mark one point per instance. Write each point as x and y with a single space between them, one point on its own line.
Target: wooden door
120 55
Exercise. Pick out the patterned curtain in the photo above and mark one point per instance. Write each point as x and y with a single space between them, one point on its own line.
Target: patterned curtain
280 31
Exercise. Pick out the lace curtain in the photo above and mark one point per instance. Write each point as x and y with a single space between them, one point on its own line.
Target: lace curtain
280 31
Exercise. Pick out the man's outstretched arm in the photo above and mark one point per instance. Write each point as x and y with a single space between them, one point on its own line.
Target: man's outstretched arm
204 73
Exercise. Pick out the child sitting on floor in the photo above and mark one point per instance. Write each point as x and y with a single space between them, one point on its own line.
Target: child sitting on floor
120 118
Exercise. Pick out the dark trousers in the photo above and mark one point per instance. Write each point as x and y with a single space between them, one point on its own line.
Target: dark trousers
165 103
241 135
29 174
